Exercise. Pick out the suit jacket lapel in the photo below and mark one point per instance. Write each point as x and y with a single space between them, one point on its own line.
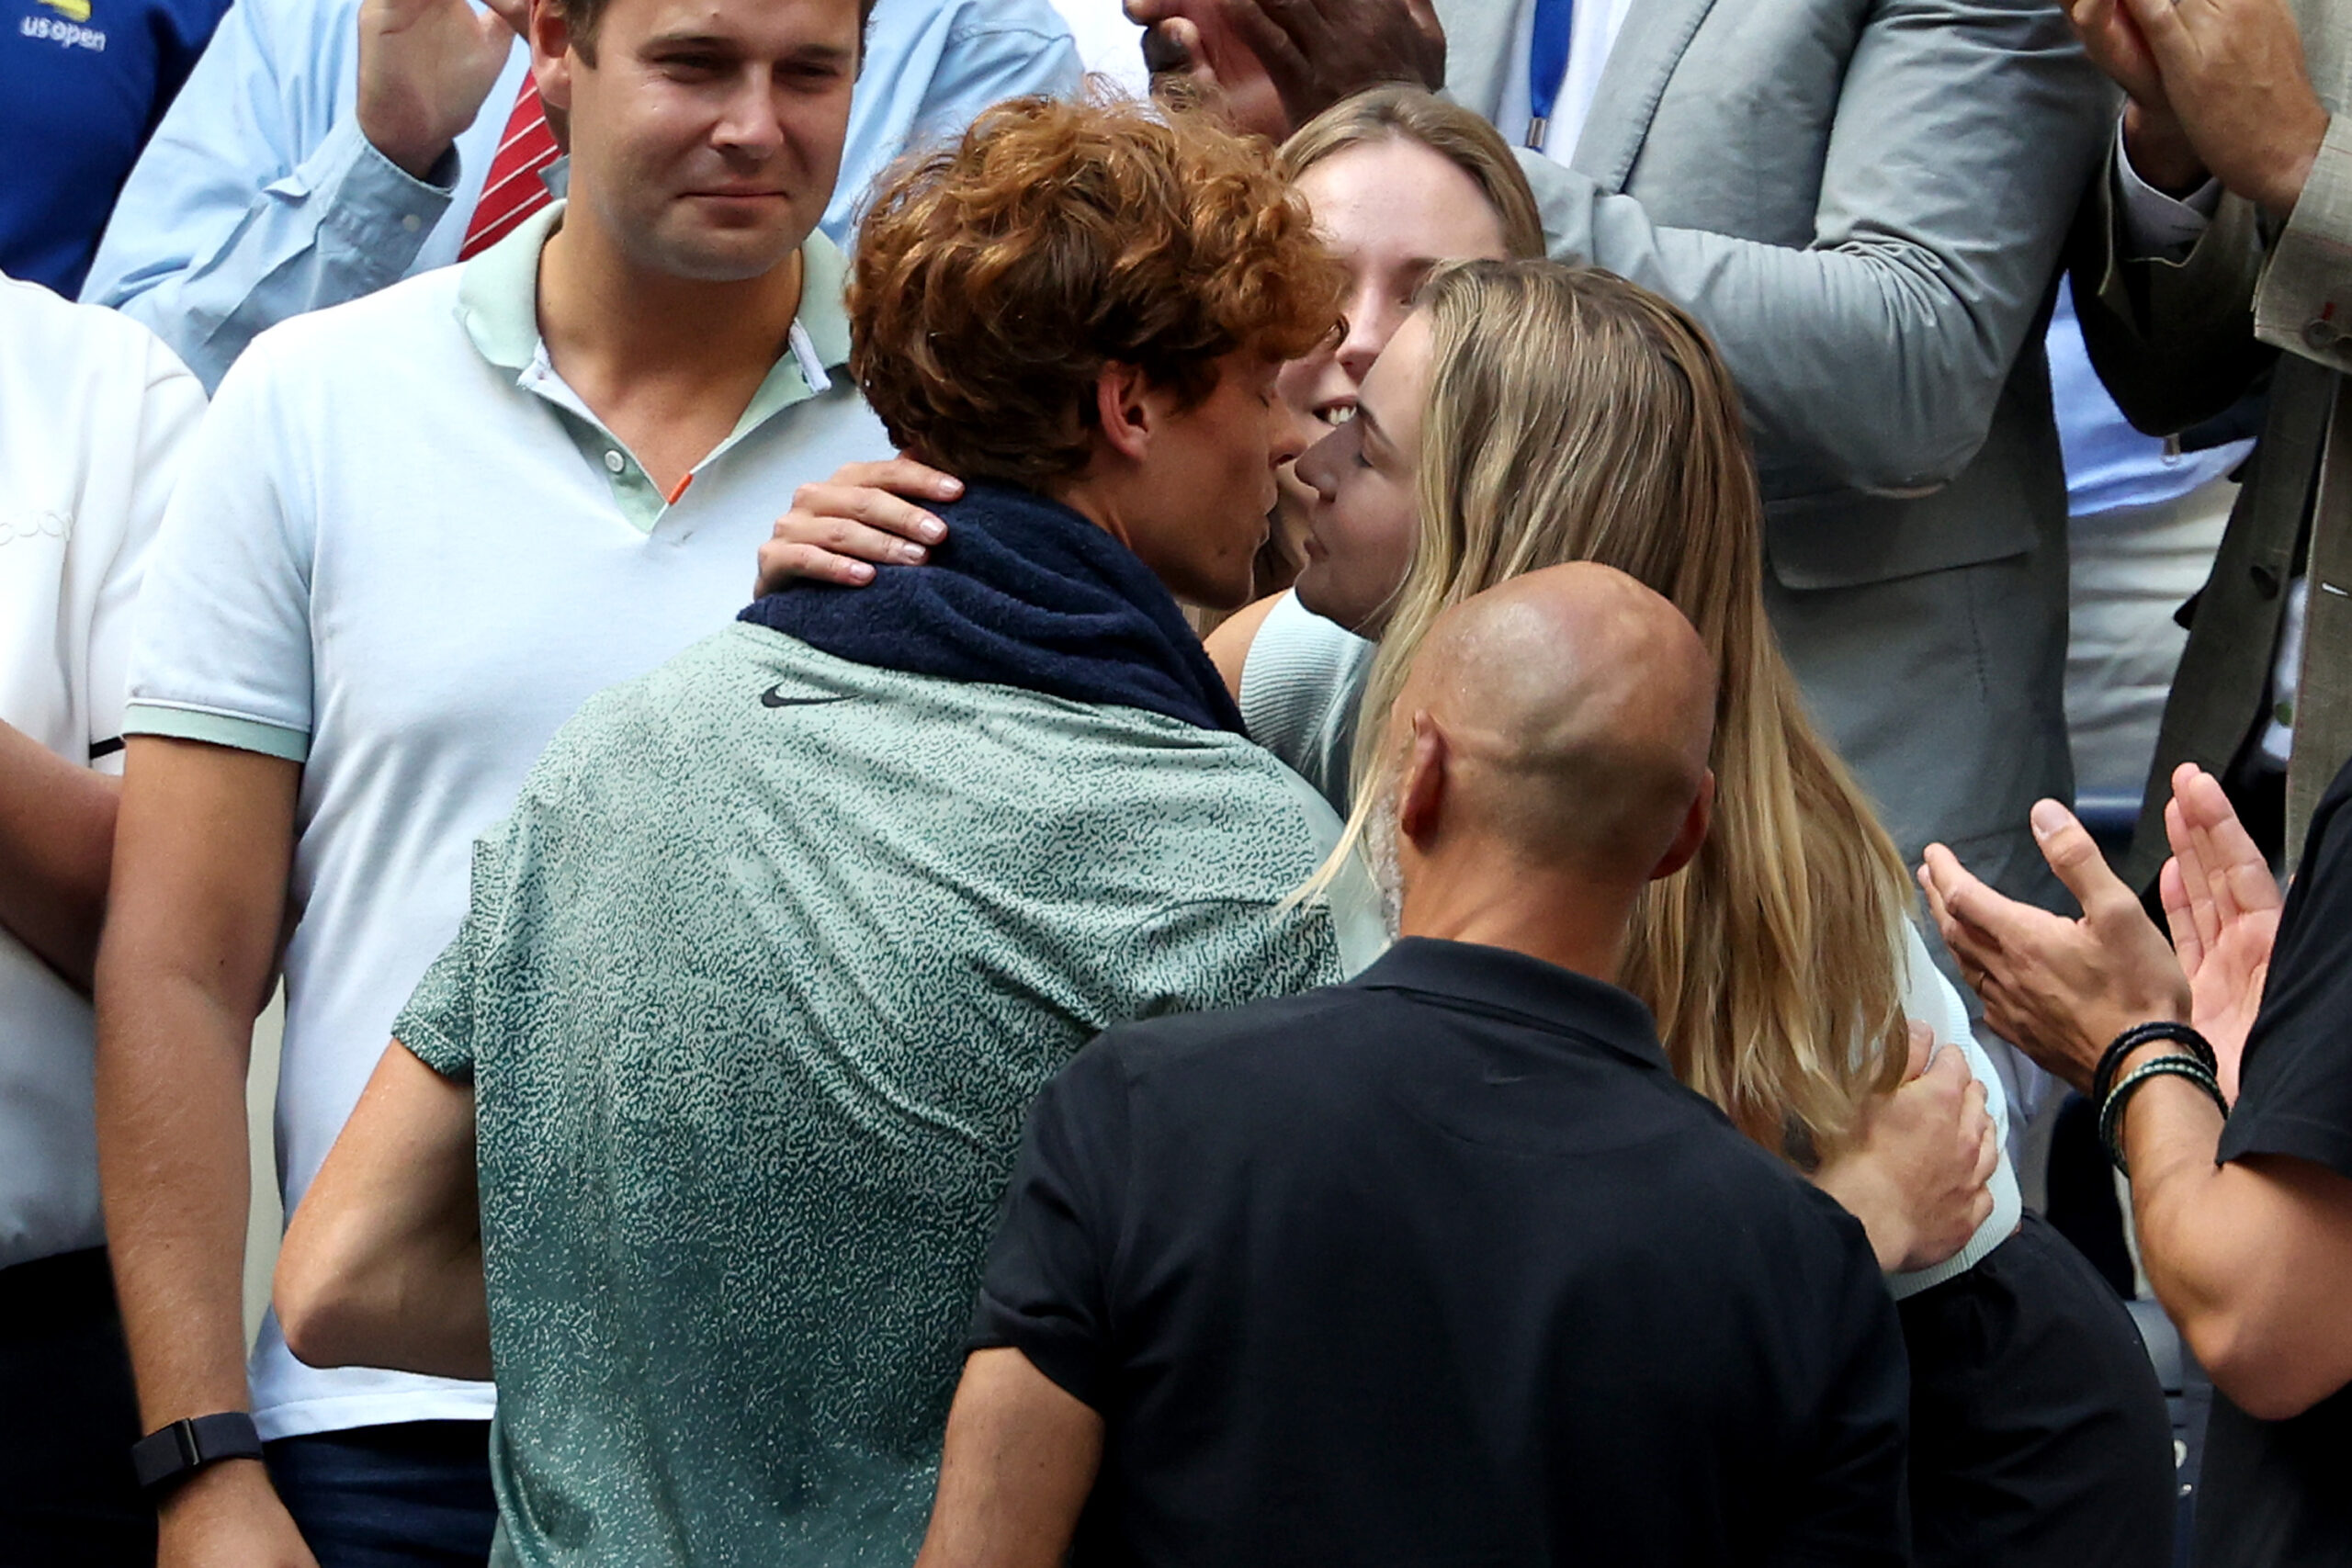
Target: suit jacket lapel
1655 34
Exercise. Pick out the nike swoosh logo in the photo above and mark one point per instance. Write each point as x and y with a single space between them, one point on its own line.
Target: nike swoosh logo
772 698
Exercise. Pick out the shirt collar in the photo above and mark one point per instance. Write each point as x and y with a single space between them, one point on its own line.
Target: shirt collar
498 301
498 304
1542 994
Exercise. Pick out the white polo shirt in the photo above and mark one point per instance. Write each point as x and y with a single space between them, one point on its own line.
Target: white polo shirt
403 553
95 415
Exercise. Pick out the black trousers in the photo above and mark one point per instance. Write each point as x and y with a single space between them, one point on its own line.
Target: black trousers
67 1417
2039 1435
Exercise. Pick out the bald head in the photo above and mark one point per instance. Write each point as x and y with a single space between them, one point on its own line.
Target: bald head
1575 709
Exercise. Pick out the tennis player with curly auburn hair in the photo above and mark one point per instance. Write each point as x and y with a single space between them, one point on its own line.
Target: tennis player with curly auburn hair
710 1102
1069 280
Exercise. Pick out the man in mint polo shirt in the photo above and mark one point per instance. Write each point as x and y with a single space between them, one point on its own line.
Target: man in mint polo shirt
761 974
416 532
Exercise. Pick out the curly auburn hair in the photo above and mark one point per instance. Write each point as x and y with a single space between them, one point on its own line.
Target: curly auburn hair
996 276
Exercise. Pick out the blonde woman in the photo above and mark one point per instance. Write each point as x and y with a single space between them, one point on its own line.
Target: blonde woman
1782 963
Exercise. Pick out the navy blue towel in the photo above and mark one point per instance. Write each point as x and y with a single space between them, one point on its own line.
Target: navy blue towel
1026 592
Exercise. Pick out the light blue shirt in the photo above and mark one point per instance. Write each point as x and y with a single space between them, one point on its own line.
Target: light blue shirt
258 198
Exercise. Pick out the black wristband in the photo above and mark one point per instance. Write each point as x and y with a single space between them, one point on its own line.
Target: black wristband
2139 1034
2110 1112
164 1457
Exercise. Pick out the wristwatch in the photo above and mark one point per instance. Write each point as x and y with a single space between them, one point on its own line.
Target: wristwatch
164 1457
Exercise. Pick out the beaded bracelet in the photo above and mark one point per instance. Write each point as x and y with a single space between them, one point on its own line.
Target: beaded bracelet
2110 1110
2139 1034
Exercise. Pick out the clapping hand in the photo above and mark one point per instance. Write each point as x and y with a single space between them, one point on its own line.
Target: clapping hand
2223 908
1275 64
2062 989
425 68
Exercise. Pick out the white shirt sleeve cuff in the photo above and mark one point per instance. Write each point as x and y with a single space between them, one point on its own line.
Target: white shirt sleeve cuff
2155 224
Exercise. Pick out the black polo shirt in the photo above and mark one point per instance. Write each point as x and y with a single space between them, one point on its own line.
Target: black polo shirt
2274 1494
1444 1266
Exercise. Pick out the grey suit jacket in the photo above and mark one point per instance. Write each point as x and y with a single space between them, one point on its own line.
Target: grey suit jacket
2179 339
1865 202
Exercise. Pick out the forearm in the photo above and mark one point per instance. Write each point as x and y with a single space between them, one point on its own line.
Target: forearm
2243 1266
56 851
202 840
1870 354
209 271
414 1303
382 1264
1792 324
173 1168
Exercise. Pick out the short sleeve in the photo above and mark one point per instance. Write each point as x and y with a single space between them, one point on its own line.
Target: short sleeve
1046 1290
1301 686
441 1025
2295 1084
221 651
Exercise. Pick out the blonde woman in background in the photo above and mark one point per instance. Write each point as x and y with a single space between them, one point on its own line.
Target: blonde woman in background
1399 181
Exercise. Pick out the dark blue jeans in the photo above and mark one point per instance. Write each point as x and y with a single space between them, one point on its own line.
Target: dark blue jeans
412 1495
67 1420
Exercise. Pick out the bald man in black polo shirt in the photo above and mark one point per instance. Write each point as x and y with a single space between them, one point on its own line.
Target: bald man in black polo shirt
1441 1265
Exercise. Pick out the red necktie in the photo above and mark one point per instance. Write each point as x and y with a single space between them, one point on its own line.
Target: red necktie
512 189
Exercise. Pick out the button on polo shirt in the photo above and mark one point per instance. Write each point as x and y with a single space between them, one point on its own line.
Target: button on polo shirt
499 305
1442 1266
399 557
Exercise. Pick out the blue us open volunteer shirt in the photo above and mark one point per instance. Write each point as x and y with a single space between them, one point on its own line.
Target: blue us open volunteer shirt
81 85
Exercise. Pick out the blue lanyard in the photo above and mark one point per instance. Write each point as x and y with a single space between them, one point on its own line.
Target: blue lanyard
1547 65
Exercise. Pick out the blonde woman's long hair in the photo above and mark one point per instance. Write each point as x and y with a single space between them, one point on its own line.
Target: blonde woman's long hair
1574 416
1397 112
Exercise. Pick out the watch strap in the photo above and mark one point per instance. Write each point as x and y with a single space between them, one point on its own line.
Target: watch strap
190 1444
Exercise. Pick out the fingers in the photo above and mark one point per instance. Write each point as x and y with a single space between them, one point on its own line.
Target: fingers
900 475
2187 946
2161 28
515 14
784 562
2231 857
2196 886
1988 1161
2067 845
1923 1045
1976 922
1173 48
1949 1071
1980 1209
1271 40
859 520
